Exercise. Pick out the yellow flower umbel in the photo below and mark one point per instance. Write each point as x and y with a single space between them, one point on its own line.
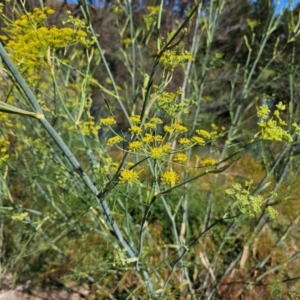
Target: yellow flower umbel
176 57
160 152
208 162
114 140
155 120
170 178
135 120
127 42
198 140
248 203
180 128
108 121
175 128
4 144
135 129
135 145
180 158
203 133
129 177
151 17
184 141
89 126
272 129
153 123
30 42
148 138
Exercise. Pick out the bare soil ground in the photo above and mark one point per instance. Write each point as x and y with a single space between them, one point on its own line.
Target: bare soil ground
25 292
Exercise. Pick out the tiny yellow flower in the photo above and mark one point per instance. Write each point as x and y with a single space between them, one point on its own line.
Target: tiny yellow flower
280 106
135 119
148 138
296 128
114 167
157 152
48 11
150 125
198 140
127 41
167 147
168 129
108 121
179 91
136 145
180 157
208 162
184 141
19 216
214 126
263 112
170 177
155 120
203 133
180 128
153 9
135 129
114 140
157 138
109 160
4 157
129 177
89 127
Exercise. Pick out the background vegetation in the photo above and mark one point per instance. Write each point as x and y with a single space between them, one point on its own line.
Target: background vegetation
150 150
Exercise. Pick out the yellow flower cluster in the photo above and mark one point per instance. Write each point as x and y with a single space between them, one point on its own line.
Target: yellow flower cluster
148 138
19 216
208 162
180 157
263 111
135 129
127 42
89 126
184 141
4 144
146 142
160 152
136 145
272 128
3 116
203 133
171 103
166 97
129 177
151 17
176 57
216 131
153 123
155 120
114 140
170 177
150 125
135 119
296 128
176 127
248 203
110 166
108 121
198 140
29 41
